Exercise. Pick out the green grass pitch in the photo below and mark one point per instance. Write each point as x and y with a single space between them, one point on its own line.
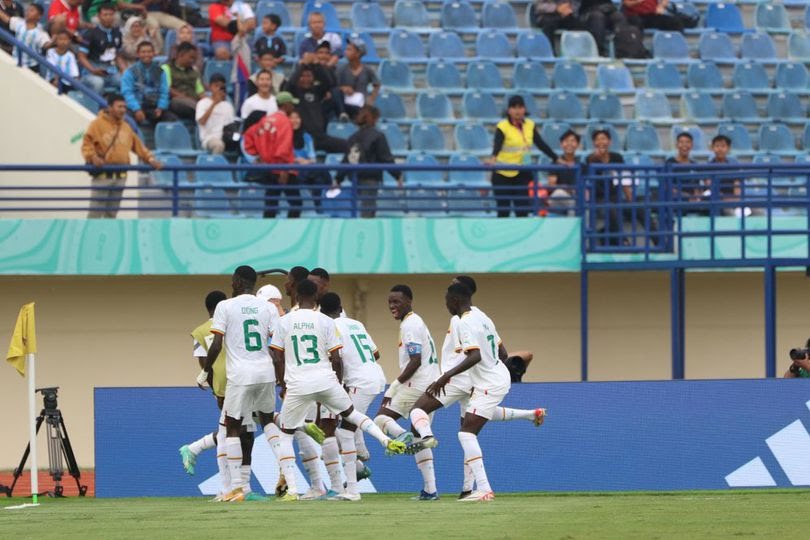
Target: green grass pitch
683 515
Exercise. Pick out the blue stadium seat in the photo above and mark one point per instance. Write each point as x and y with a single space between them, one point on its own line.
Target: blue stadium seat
806 137
328 11
411 14
530 76
497 14
704 76
605 106
570 75
173 138
396 75
473 138
165 178
670 46
341 130
368 16
717 47
534 45
750 76
85 101
739 105
430 178
791 76
565 106
799 46
484 75
587 138
432 105
394 136
480 106
758 46
494 44
444 75
772 18
551 132
642 138
223 67
403 45
740 138
531 104
220 178
426 137
579 45
724 17
212 203
471 195
699 107
776 138
276 7
614 78
458 15
653 106
250 202
785 107
664 77
467 178
698 138
446 45
391 106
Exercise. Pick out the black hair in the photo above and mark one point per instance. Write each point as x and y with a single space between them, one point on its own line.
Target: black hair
247 274
273 18
468 282
39 8
569 133
107 5
265 52
685 134
263 72
185 47
144 44
62 32
217 77
306 289
324 45
460 291
330 303
306 68
112 97
298 274
214 298
721 138
320 272
404 289
598 132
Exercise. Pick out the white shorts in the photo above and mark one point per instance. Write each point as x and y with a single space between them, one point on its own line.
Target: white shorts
325 414
404 400
360 400
249 424
294 409
483 403
452 394
241 401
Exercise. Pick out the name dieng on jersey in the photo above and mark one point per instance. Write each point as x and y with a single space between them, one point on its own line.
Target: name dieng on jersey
250 311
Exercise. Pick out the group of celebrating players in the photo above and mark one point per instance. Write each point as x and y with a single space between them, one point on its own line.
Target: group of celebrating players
326 367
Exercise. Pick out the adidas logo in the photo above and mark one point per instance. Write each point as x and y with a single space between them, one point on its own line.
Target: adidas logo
791 448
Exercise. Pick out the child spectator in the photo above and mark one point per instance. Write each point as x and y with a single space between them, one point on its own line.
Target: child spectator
28 31
268 41
62 57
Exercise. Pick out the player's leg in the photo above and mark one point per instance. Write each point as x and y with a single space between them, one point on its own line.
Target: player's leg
361 401
348 451
505 414
481 408
420 415
236 407
386 420
292 416
468 482
331 451
335 398
189 452
247 438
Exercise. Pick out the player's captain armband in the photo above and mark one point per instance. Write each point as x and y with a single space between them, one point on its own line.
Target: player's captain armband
414 349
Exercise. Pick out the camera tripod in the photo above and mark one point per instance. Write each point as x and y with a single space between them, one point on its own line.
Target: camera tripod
58 448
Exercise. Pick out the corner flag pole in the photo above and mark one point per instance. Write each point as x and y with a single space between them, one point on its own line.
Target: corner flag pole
32 428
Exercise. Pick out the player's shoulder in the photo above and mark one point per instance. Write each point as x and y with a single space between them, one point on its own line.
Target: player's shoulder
412 320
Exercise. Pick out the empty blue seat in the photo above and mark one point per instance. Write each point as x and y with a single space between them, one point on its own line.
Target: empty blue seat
446 45
341 130
791 76
391 106
499 15
479 106
395 74
740 138
276 7
806 137
458 15
411 14
394 136
173 138
671 46
569 75
698 138
403 44
724 17
642 138
368 16
528 98
530 76
704 76
615 78
772 18
426 138
552 131
758 46
212 202
433 105
222 67
786 107
85 101
565 106
652 106
740 105
422 177
663 76
165 178
580 45
534 45
250 202
493 44
444 75
587 138
467 178
776 138
717 47
324 8
750 76
473 138
698 106
605 106
213 177
484 75
799 46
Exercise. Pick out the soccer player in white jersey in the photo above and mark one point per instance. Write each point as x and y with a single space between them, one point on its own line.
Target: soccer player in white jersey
306 356
245 324
419 367
363 379
484 356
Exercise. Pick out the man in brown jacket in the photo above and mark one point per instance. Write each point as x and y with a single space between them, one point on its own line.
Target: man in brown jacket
108 141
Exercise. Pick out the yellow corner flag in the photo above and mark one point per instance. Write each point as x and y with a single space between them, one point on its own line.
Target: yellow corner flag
23 340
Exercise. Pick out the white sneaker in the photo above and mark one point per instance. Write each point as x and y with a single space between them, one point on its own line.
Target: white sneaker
363 455
346 496
483 496
312 494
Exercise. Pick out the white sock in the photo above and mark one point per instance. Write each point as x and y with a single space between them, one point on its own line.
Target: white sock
504 414
246 478
366 424
360 442
349 454
286 460
234 449
331 458
309 458
475 459
359 466
469 479
421 423
222 460
203 444
273 435
424 461
388 426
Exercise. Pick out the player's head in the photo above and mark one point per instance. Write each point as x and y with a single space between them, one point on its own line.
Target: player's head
296 275
330 305
269 293
321 279
306 292
212 299
458 298
244 279
467 281
400 300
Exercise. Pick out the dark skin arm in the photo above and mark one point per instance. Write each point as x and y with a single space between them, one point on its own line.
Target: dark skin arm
337 364
502 354
410 369
472 358
278 364
213 352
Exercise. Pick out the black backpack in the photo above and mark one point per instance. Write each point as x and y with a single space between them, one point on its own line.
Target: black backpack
628 42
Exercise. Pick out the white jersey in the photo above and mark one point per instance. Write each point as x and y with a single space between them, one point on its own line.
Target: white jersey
247 324
414 339
477 331
360 368
307 337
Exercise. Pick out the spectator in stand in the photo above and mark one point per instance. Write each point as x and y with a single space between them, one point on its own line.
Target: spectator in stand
146 89
514 137
227 17
65 14
135 32
271 140
314 98
683 143
161 13
596 16
269 41
553 15
317 35
100 56
608 190
354 79
263 99
185 83
9 8
650 14
214 112
27 31
686 188
62 57
266 63
728 188
185 34
304 149
562 184
368 145
108 141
